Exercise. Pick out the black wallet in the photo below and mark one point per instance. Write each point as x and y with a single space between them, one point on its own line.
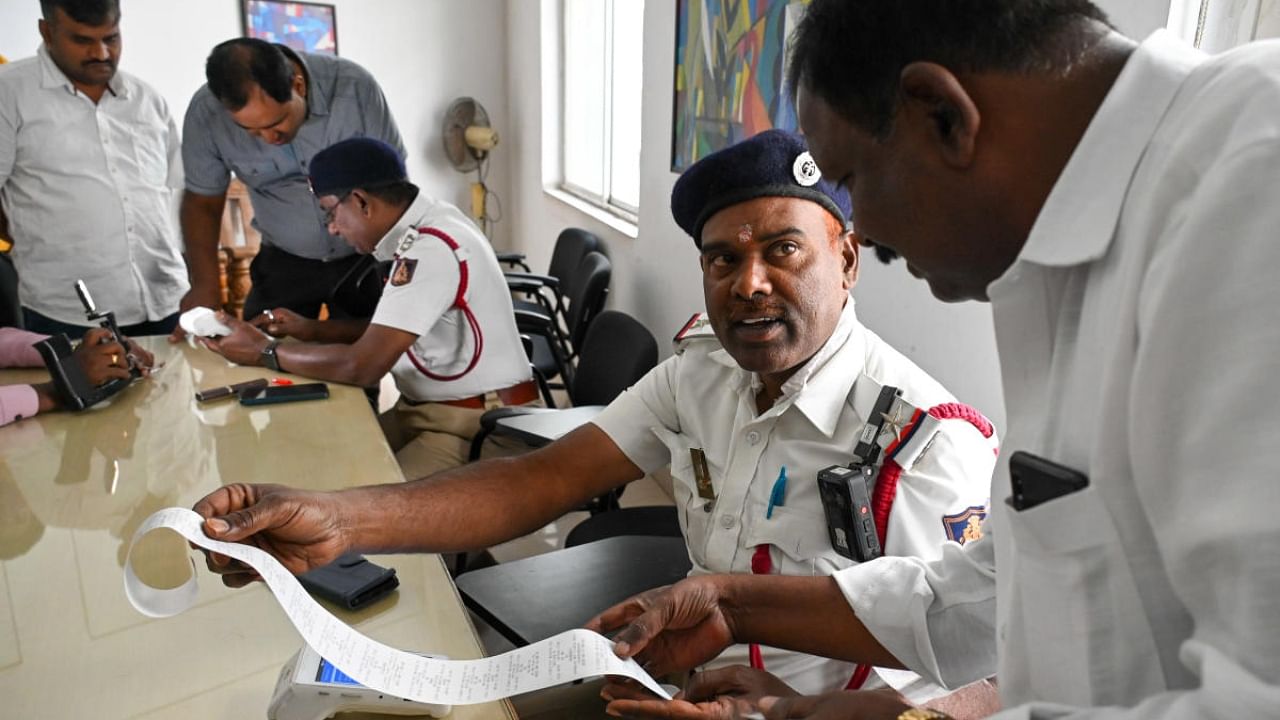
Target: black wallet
350 581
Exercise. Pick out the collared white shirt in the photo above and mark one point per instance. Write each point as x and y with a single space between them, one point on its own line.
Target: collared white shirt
419 296
702 399
1138 342
90 192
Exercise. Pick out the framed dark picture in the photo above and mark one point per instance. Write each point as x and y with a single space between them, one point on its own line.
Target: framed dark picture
306 26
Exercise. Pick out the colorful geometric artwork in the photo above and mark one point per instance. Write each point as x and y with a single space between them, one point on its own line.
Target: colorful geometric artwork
730 57
309 27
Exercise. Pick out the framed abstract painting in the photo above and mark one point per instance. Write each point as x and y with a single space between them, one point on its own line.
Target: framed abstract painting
305 26
730 70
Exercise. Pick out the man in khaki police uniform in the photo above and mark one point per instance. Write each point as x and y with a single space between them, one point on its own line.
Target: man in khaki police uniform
444 326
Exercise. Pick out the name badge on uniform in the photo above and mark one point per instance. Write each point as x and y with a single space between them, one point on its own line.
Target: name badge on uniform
701 474
402 271
965 525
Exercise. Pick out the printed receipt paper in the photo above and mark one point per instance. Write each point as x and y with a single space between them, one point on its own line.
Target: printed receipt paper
566 657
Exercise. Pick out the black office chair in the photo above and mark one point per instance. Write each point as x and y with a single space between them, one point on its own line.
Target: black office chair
555 350
616 353
550 295
646 520
513 260
547 294
571 245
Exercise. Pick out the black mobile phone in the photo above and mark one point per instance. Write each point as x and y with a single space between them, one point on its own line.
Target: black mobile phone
285 393
1036 480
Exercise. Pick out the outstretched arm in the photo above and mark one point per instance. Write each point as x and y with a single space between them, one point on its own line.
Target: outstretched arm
473 506
678 627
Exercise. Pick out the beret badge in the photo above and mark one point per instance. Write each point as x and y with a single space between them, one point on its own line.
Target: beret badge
805 170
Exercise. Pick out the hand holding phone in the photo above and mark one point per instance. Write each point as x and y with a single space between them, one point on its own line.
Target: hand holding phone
285 393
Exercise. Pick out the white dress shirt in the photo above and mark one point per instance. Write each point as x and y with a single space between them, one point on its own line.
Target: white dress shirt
90 192
701 399
1139 344
418 298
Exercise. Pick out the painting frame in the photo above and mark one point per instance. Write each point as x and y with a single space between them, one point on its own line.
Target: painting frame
277 21
729 84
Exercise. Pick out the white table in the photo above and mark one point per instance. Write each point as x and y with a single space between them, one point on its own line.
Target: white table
73 487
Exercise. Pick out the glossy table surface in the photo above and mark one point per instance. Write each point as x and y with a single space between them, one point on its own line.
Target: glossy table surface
73 487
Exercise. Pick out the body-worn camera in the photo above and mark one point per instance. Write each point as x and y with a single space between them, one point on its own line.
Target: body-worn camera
846 501
73 386
846 490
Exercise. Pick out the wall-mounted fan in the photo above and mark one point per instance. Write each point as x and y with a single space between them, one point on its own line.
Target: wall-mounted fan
468 139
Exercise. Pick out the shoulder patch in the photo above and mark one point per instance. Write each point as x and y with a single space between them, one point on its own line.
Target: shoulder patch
965 525
402 271
698 327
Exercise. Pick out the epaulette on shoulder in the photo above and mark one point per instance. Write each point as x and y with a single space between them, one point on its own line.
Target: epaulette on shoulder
698 328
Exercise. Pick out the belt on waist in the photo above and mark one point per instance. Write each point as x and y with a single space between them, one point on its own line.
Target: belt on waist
521 394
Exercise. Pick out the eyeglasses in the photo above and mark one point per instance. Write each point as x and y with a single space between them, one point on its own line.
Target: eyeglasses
328 214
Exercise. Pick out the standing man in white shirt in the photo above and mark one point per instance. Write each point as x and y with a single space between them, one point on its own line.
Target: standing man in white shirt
90 168
1115 201
444 326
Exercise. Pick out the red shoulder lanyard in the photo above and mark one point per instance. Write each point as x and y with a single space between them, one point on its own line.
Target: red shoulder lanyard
881 504
459 303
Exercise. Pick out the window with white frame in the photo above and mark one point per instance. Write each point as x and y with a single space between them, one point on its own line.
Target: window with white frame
601 113
1217 25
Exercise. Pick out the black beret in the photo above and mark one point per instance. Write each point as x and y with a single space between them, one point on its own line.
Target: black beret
355 163
775 163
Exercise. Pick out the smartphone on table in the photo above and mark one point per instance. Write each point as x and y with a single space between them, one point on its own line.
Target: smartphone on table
285 393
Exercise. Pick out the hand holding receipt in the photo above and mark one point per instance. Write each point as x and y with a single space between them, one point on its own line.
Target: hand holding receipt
568 656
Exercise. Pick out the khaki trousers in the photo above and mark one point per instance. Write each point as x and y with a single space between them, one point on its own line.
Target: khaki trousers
431 437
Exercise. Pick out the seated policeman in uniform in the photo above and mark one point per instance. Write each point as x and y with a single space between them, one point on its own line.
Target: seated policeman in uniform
444 326
782 376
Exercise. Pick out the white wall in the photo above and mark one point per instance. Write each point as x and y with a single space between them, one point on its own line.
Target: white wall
656 276
1137 18
424 53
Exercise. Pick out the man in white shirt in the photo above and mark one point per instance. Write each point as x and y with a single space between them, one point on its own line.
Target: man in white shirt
1115 202
89 171
779 383
444 326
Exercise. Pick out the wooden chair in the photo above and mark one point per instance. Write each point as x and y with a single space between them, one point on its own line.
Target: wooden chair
237 245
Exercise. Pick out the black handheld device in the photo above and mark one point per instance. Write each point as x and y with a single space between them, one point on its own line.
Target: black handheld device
847 504
1035 480
68 377
350 581
846 491
284 393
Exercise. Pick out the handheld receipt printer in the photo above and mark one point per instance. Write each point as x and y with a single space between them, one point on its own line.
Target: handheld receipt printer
73 387
312 688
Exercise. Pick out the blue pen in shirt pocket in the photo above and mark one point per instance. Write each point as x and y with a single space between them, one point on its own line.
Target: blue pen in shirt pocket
778 495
